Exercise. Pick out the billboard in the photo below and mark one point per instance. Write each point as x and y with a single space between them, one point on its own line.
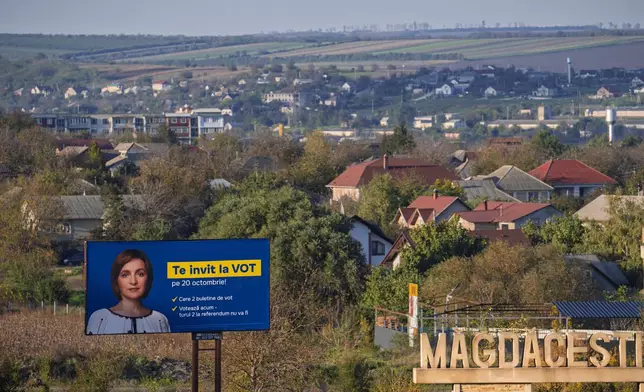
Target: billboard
177 286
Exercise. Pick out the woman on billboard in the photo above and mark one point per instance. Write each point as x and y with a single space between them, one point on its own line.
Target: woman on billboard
131 279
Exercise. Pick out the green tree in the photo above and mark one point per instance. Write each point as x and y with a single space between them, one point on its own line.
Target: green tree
508 274
619 238
632 141
166 135
401 142
314 260
389 288
548 144
447 188
436 243
566 233
316 168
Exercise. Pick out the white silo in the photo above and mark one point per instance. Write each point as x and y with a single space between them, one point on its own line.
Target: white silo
569 71
610 120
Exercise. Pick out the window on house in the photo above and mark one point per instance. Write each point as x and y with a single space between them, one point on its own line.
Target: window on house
173 121
65 227
183 121
505 226
377 248
533 196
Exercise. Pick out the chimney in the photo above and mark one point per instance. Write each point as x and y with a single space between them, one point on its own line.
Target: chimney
435 194
385 162
485 205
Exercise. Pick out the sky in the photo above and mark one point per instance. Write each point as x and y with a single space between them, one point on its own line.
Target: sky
217 17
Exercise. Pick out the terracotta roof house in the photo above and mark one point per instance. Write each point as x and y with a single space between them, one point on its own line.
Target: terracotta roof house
512 237
520 185
493 215
427 209
598 210
348 183
570 177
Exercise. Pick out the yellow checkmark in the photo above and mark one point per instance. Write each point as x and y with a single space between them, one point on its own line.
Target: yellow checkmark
175 308
174 299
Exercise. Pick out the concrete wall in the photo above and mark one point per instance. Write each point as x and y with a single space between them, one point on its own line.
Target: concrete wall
451 210
339 193
538 217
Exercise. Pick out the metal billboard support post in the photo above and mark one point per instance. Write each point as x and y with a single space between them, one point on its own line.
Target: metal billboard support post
195 364
218 365
196 337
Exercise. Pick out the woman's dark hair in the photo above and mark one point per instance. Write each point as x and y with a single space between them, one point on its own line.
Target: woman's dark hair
125 257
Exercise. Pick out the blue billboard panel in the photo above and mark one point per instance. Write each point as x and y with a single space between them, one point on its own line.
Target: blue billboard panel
177 286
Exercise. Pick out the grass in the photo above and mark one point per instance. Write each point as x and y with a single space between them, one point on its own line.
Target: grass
30 334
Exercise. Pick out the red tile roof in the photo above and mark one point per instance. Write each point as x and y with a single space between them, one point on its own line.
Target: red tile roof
426 214
511 237
429 203
362 173
570 172
501 212
406 213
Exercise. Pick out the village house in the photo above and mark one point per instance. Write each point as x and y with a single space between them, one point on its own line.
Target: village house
423 122
520 185
373 241
483 190
454 124
491 92
280 97
570 177
356 176
602 93
426 209
70 93
392 259
493 215
84 214
445 90
348 88
544 92
113 88
384 122
598 210
159 86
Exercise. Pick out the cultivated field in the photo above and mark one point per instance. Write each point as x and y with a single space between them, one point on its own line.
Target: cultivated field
130 72
355 47
250 49
630 55
471 48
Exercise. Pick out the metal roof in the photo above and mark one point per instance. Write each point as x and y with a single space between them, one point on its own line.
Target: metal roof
483 189
91 207
513 179
599 309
